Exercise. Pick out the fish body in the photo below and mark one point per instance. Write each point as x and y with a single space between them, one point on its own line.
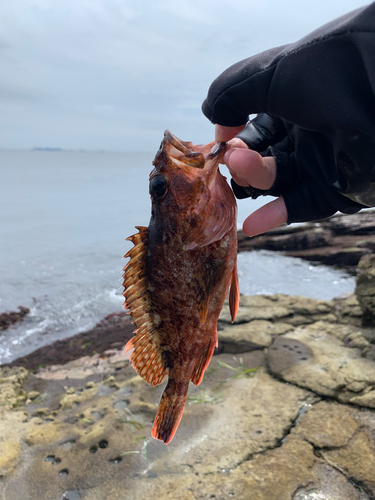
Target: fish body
179 273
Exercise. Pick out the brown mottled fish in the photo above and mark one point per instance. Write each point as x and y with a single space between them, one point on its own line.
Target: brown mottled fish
180 270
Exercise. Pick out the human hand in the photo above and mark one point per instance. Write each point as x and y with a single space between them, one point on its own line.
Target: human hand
247 167
325 152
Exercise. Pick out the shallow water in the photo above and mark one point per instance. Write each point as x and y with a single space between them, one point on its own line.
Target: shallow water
64 217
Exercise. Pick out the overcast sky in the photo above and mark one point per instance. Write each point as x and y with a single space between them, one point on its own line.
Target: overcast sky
113 74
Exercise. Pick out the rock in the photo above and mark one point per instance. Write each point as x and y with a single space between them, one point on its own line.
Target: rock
326 425
345 255
257 425
12 394
33 395
290 471
275 474
348 310
339 241
291 238
8 319
111 333
338 432
357 459
256 334
361 223
286 352
321 362
246 315
365 289
330 484
100 449
41 412
370 354
273 308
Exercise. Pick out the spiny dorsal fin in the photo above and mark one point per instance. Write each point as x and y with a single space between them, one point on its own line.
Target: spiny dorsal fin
146 358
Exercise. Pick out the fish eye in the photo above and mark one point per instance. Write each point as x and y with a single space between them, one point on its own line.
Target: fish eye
158 186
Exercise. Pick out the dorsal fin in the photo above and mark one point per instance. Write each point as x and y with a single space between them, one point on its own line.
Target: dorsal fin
146 358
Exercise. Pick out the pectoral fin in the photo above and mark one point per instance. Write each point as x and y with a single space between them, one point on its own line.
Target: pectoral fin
218 220
234 294
204 361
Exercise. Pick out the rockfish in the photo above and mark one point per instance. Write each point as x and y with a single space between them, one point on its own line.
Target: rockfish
180 270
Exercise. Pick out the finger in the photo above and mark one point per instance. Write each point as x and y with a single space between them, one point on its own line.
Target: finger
268 217
233 143
236 143
224 134
248 167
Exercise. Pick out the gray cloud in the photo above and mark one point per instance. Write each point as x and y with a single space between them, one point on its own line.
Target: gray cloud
112 74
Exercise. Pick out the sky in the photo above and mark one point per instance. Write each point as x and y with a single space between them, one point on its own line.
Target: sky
114 74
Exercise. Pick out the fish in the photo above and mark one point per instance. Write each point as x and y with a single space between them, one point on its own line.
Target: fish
180 270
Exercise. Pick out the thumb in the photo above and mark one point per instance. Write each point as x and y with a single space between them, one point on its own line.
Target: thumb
224 134
268 217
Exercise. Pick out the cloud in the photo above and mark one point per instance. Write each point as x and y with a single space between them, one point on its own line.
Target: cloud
81 68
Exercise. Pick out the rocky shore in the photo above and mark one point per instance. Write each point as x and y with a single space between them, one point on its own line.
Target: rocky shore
111 333
286 411
8 319
340 241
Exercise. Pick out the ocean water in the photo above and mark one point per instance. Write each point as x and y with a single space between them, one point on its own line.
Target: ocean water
64 217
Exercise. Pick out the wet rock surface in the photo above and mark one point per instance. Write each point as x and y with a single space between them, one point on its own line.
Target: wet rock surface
339 241
286 411
365 290
8 319
111 333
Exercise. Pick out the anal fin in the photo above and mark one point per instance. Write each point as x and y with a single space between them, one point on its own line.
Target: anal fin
234 294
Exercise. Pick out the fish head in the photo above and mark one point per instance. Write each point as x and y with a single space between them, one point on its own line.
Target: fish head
191 199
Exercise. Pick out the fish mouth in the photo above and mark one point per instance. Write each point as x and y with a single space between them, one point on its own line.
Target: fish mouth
185 154
217 149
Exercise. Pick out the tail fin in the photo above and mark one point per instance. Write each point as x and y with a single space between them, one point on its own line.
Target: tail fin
170 410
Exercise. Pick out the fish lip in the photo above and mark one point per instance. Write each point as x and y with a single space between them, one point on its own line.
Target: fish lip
171 145
216 150
190 158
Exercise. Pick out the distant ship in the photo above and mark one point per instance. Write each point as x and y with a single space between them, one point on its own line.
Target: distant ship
46 149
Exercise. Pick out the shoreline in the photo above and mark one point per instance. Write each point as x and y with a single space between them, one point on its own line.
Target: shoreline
111 333
338 242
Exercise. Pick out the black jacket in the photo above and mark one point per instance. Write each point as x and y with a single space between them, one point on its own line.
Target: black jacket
318 96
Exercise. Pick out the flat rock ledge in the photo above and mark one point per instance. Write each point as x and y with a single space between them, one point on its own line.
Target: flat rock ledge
340 241
286 411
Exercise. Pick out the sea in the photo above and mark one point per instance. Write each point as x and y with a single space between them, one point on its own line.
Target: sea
64 217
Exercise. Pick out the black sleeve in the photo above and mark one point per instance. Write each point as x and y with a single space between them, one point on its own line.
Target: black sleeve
322 90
